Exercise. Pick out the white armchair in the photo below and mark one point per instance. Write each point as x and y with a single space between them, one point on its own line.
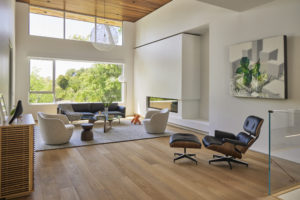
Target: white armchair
156 121
55 129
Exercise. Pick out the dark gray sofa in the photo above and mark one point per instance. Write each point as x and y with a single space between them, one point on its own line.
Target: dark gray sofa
77 111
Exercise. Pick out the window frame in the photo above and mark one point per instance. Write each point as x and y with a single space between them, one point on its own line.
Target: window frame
42 92
64 25
54 79
47 15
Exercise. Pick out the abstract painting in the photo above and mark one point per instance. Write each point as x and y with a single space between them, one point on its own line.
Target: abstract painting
259 68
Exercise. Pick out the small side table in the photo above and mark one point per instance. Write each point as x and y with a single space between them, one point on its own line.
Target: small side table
87 133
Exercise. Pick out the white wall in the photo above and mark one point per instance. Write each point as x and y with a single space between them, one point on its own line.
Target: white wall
227 28
276 18
32 46
7 37
157 71
169 68
176 17
204 76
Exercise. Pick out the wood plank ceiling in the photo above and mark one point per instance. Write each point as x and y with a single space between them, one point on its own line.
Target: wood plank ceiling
123 10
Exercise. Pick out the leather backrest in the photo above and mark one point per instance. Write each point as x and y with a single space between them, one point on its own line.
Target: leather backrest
252 125
244 138
113 107
96 107
81 107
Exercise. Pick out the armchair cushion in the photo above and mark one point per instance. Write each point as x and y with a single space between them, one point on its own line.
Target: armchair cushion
234 146
210 140
252 125
150 113
244 138
233 141
69 126
63 118
55 129
223 134
156 121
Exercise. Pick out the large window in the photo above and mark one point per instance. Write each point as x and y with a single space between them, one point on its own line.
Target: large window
41 81
109 31
46 22
79 27
74 81
65 25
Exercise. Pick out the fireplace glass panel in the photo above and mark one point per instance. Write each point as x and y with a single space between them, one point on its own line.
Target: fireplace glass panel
161 103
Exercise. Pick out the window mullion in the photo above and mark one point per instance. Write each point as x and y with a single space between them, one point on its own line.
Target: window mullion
95 29
53 80
64 25
41 92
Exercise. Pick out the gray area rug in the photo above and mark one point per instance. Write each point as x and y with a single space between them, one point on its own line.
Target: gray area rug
118 133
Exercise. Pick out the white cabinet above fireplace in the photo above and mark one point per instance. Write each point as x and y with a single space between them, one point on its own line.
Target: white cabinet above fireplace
169 68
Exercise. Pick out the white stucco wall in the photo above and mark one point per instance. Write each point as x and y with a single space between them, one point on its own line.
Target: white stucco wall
272 19
7 38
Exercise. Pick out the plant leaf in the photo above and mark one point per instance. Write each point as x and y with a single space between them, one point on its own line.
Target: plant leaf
244 62
239 70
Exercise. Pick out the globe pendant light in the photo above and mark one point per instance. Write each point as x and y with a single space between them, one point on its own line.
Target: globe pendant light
103 35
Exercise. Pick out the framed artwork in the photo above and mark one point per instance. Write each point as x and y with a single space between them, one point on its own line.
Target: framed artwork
3 110
259 68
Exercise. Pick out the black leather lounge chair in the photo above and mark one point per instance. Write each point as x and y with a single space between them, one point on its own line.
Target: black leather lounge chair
234 146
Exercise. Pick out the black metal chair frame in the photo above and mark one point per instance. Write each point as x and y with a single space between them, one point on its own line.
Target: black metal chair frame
185 155
228 159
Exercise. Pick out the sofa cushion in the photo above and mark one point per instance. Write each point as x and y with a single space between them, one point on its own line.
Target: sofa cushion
81 107
86 113
96 107
113 107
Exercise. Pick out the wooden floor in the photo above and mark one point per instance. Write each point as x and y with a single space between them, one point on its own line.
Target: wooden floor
144 169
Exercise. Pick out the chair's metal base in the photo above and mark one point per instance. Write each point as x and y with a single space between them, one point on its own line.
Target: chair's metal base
185 155
228 159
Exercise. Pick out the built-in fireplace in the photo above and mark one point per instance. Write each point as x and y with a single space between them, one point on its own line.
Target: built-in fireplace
161 103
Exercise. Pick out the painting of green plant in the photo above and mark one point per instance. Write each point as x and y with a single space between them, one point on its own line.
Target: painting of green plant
259 68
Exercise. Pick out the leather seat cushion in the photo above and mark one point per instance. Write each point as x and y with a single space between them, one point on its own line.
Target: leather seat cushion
210 140
115 113
184 140
86 113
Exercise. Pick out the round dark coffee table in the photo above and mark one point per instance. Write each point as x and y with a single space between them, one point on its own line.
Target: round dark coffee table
87 133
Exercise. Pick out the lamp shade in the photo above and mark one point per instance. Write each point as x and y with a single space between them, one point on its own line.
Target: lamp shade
102 46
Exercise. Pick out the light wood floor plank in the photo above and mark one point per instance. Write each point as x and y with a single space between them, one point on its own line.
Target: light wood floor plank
144 170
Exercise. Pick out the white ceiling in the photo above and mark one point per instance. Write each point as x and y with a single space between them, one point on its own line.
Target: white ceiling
237 5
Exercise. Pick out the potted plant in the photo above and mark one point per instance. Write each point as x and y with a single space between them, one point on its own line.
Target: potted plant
107 99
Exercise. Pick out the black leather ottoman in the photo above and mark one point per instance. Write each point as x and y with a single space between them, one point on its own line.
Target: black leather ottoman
184 140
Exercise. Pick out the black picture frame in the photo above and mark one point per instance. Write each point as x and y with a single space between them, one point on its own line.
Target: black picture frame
269 57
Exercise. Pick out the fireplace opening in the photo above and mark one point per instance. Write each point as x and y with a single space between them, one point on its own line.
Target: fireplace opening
161 103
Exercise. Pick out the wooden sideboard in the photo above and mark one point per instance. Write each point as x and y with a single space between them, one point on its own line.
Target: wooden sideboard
16 157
